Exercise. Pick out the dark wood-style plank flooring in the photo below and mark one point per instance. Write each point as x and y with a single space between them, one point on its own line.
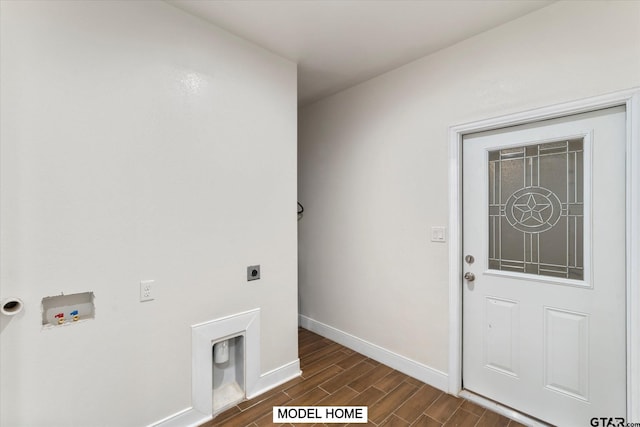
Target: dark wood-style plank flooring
333 375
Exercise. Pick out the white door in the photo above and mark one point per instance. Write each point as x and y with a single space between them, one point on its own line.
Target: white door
544 220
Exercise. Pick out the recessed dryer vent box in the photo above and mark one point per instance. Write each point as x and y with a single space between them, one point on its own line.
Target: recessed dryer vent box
67 309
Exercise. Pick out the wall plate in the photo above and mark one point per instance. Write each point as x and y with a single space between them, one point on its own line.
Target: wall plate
438 234
253 272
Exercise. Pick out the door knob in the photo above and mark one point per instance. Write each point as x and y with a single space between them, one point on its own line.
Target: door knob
469 276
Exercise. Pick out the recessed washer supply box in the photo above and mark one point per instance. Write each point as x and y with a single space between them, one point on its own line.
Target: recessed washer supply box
67 309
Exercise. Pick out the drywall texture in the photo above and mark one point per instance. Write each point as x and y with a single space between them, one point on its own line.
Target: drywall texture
138 143
373 167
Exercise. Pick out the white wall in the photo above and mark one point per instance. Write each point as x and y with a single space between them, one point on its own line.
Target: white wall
373 164
138 143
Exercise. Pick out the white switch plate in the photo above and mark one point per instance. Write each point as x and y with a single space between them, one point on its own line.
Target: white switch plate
439 234
146 290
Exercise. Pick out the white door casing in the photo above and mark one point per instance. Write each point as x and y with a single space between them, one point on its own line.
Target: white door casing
544 321
631 100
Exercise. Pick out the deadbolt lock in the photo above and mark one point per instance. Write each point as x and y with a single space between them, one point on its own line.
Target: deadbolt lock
469 259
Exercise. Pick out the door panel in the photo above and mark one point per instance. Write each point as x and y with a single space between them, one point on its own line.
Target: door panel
544 218
566 348
501 335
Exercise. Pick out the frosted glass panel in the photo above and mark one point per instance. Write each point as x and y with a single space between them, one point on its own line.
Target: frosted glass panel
536 209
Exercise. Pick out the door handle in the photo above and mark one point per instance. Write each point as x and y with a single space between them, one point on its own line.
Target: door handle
469 276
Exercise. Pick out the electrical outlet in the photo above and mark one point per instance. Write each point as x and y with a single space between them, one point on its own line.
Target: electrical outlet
253 272
146 290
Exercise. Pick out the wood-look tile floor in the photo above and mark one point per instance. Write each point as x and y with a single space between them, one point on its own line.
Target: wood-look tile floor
333 375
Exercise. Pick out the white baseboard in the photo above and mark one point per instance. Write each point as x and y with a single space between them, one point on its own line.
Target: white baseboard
419 371
191 417
186 418
276 377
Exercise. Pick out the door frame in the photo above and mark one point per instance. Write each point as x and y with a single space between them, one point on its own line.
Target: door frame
631 100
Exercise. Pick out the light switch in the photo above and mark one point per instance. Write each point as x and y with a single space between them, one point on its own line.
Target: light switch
438 234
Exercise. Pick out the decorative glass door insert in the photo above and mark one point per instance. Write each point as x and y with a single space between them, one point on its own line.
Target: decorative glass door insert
536 209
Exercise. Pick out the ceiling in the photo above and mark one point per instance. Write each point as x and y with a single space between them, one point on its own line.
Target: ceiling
340 43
